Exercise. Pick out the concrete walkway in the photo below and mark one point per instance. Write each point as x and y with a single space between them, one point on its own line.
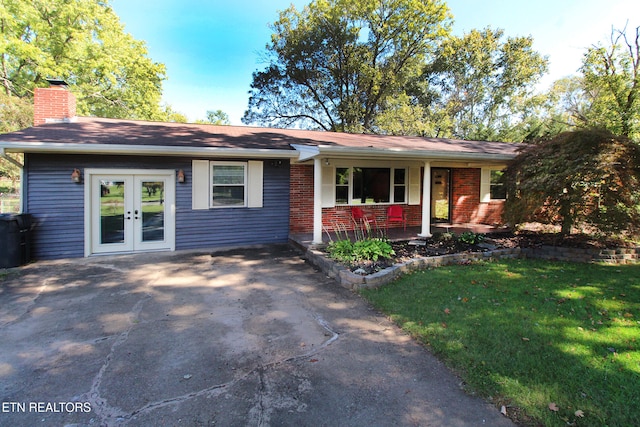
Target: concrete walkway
243 338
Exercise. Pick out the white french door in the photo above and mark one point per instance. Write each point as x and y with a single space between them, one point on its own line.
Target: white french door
130 212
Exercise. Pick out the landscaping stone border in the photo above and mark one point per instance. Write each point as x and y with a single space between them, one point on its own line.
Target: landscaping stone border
353 281
611 256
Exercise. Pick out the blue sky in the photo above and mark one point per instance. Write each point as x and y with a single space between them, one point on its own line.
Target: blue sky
212 47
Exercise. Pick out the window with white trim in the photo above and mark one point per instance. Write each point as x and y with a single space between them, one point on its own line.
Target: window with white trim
228 184
370 185
492 185
497 189
343 176
399 185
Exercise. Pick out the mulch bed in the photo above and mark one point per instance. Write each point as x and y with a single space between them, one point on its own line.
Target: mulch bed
440 246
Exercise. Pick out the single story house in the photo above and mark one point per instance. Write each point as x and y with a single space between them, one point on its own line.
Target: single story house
97 185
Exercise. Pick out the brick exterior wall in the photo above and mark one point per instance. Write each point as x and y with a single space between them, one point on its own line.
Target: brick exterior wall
301 199
465 194
340 216
489 213
55 103
465 199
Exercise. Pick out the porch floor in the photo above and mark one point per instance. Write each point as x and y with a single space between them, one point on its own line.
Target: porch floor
399 234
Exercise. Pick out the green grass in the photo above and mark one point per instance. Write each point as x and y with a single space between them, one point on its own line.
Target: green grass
527 333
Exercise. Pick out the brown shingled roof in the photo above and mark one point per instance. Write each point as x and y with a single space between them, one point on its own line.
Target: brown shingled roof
87 130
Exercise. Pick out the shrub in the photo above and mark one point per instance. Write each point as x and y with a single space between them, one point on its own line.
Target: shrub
362 250
471 238
341 250
372 250
575 179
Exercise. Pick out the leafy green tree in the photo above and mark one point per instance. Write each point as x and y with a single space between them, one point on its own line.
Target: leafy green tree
548 114
611 77
84 43
217 117
15 113
401 115
170 115
337 64
483 84
567 104
583 177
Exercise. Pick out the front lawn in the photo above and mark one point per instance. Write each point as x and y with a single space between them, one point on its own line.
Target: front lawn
554 343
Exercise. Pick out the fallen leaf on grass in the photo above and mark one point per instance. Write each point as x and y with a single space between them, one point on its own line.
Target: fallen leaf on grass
447 311
525 339
553 407
579 413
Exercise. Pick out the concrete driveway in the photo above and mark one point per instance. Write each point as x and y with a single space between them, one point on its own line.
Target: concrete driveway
253 337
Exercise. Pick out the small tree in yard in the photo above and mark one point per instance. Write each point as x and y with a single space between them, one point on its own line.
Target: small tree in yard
586 177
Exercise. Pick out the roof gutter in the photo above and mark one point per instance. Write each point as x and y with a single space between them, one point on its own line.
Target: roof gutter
11 160
143 150
309 152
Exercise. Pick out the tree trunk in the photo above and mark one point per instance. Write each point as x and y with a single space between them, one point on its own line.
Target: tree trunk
567 217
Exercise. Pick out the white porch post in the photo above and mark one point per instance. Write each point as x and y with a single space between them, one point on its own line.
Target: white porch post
317 202
426 201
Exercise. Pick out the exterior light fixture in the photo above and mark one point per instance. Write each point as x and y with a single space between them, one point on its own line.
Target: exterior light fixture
76 176
181 176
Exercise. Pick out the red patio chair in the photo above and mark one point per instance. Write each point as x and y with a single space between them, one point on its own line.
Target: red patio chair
362 220
396 214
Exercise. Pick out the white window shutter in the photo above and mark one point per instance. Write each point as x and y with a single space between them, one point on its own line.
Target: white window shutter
485 185
200 184
255 184
328 186
414 186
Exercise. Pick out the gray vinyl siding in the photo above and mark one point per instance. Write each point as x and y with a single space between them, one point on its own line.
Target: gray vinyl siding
222 227
57 205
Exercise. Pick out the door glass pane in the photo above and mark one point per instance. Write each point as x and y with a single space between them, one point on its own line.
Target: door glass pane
152 206
440 195
111 211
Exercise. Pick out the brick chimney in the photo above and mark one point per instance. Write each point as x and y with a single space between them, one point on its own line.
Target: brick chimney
54 104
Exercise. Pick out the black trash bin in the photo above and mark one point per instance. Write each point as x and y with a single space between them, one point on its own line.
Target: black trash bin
15 239
25 223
